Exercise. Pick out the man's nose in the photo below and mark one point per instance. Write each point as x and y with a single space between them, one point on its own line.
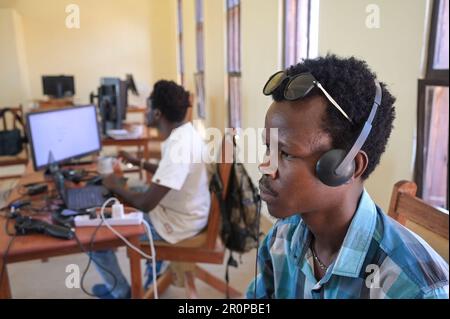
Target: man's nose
266 168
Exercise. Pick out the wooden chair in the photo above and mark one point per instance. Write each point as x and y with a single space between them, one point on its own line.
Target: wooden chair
206 247
405 206
21 158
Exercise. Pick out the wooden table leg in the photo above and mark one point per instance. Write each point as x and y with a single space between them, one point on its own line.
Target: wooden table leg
135 269
5 289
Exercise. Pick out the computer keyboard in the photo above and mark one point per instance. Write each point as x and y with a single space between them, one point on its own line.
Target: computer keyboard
86 197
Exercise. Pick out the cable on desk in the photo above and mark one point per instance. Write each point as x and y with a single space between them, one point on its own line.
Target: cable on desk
7 227
8 192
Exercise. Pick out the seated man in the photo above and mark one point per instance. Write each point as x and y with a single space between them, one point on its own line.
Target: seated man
178 199
331 240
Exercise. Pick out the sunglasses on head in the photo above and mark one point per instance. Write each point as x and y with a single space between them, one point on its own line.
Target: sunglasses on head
297 87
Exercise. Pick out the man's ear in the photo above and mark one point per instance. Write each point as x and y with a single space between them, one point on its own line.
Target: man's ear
361 163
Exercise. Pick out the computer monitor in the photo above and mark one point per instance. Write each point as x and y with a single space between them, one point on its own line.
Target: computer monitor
62 134
58 86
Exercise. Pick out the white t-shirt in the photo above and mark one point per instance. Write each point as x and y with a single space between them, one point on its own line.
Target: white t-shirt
183 212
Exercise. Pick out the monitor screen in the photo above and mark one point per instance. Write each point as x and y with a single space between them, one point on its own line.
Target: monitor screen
58 86
63 134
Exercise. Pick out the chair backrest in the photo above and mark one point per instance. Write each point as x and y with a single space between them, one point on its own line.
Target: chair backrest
405 206
9 120
22 158
224 167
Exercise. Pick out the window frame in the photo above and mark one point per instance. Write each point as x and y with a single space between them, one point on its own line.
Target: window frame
433 77
431 72
420 142
234 59
296 39
199 76
181 75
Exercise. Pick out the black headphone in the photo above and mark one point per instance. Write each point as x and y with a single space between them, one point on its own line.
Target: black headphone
337 166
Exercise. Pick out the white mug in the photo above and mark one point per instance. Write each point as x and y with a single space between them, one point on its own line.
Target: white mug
105 165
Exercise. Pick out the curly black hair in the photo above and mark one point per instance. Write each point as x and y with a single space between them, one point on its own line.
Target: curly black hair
351 84
171 99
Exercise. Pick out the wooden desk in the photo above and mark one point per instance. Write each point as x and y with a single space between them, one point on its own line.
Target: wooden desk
54 103
39 246
139 111
136 109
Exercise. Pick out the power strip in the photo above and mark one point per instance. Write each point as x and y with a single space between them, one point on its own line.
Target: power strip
134 218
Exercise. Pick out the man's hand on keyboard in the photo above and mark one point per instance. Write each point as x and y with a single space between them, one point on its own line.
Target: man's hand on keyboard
113 182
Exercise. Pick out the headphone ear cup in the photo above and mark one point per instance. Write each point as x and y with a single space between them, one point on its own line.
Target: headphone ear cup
326 167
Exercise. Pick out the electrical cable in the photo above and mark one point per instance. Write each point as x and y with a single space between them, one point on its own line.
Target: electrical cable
7 227
91 246
149 235
103 220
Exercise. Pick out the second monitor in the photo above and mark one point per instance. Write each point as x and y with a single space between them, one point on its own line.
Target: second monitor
112 102
58 86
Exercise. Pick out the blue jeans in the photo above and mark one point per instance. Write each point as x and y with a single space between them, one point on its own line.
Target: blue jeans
108 259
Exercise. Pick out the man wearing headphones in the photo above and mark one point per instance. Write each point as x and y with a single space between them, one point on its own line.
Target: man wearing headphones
331 241
178 199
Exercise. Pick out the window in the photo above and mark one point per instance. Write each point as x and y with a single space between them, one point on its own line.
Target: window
200 75
300 30
234 62
431 171
437 64
180 42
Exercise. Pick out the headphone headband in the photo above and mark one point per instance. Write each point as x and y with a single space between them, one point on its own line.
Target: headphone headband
363 135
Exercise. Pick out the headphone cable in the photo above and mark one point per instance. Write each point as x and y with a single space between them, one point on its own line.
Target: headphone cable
257 243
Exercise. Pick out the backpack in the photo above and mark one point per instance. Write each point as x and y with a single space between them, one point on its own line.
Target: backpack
11 141
240 211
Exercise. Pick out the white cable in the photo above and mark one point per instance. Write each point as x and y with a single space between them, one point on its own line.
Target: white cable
149 235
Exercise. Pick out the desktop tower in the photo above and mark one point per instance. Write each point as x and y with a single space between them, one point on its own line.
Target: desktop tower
112 102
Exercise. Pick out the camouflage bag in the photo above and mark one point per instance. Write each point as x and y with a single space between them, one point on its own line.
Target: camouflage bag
240 220
240 213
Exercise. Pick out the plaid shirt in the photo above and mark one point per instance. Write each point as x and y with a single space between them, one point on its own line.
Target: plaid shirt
379 258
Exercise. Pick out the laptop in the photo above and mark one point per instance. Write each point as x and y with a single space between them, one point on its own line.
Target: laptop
80 198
